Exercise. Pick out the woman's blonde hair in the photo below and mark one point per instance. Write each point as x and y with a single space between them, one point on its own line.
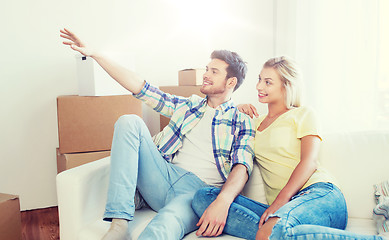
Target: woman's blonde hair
290 77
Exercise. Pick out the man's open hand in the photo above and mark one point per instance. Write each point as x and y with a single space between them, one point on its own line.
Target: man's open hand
214 218
75 43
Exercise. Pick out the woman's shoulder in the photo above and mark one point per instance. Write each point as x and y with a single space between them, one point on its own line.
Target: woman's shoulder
304 111
306 118
304 115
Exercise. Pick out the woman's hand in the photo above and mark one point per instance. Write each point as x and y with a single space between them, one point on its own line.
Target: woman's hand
248 109
277 204
265 231
75 43
265 226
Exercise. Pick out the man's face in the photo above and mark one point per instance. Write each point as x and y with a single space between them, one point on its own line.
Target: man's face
215 78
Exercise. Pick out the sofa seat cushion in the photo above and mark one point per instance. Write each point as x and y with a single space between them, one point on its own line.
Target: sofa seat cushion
142 217
362 226
97 229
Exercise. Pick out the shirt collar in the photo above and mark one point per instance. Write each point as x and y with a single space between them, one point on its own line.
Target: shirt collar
224 107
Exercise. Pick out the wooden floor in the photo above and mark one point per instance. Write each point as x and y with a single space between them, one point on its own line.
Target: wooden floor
40 224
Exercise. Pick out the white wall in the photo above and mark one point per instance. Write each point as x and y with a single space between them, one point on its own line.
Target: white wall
342 49
164 36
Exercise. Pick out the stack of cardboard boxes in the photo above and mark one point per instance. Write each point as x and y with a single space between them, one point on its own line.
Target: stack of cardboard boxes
86 124
86 121
189 83
10 220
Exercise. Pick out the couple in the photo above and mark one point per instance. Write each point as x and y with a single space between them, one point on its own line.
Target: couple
192 172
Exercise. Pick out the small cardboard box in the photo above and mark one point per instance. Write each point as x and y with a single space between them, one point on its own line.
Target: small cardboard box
86 124
191 77
70 160
10 220
185 91
94 81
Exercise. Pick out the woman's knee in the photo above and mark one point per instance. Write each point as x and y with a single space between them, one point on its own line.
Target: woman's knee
203 198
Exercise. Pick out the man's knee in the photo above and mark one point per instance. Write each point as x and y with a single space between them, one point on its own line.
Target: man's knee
129 120
172 221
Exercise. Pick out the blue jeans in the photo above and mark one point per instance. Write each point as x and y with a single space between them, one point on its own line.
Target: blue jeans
317 212
137 163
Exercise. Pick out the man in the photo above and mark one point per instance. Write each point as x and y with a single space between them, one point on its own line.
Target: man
207 142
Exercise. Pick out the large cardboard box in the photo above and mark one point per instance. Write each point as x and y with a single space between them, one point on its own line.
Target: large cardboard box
86 124
70 160
94 81
10 220
185 91
191 77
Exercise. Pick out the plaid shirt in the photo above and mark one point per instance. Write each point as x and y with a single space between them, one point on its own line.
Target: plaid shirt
232 132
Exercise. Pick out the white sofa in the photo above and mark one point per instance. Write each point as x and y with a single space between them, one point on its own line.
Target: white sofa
358 161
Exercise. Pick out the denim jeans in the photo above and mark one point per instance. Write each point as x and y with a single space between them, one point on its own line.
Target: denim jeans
137 163
317 212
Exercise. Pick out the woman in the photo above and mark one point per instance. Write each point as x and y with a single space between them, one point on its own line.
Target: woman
305 202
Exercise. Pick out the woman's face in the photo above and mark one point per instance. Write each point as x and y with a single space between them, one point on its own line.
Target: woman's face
270 87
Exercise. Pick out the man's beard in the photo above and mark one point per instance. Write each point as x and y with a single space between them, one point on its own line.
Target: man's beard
211 90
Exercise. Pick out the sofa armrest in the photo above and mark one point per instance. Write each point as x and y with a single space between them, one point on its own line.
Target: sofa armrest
82 194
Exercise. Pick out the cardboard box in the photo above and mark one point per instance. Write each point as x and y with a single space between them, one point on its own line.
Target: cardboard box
191 77
185 91
70 160
10 220
94 81
86 124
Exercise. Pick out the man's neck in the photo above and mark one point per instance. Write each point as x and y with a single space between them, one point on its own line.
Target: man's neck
215 101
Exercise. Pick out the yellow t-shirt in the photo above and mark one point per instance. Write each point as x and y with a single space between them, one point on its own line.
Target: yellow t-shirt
278 147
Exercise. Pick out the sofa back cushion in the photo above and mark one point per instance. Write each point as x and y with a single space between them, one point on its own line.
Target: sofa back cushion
255 187
358 160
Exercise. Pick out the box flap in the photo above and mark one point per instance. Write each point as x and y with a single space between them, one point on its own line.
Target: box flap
4 197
